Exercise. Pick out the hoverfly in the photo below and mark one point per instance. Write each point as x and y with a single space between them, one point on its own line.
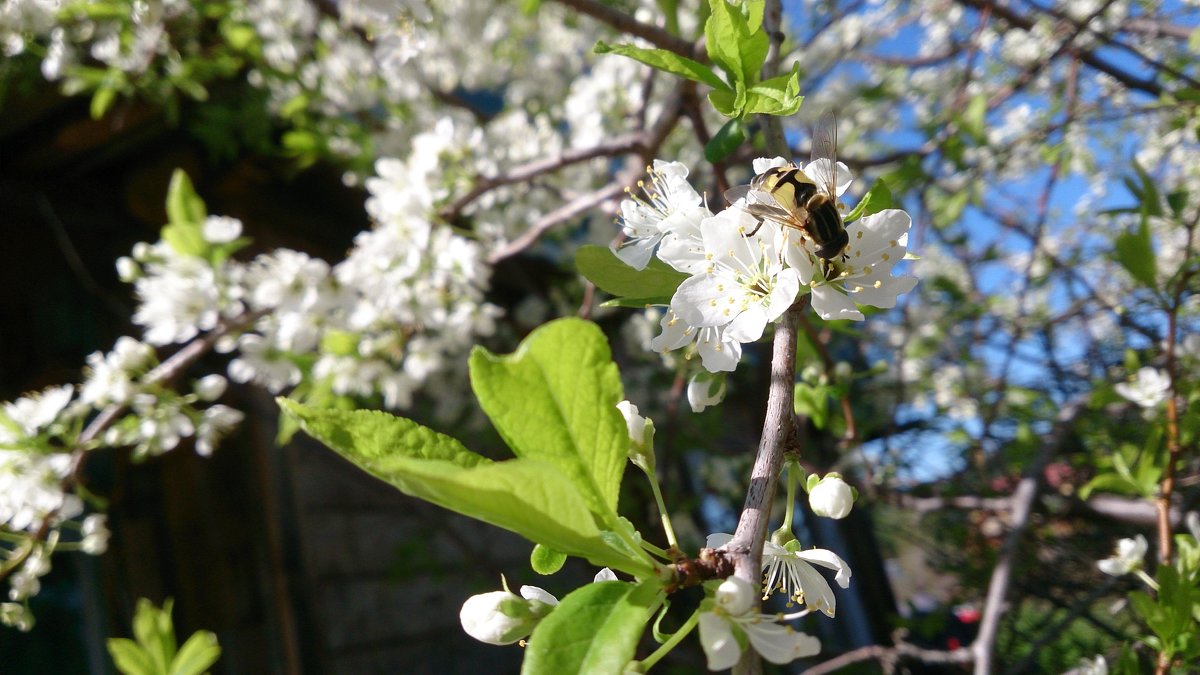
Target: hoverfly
788 196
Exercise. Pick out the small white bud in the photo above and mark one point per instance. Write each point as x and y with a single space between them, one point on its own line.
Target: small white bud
705 389
14 614
605 575
641 436
503 617
736 596
221 229
843 371
832 497
95 534
210 387
127 269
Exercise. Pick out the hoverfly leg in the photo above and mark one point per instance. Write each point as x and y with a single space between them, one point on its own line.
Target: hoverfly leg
757 227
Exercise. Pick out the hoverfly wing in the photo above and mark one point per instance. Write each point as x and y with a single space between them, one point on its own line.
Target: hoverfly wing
777 214
735 193
824 146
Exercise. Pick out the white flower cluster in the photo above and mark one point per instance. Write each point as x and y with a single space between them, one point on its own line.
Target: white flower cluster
34 475
404 306
746 270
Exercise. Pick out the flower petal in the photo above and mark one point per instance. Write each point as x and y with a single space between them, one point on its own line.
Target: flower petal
830 560
830 303
779 643
720 646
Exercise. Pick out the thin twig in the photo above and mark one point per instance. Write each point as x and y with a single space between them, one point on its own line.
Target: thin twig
165 372
629 143
1022 506
625 23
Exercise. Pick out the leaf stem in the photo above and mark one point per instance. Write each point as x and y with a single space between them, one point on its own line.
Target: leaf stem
671 642
662 509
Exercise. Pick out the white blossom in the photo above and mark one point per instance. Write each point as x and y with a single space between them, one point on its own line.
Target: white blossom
671 203
1129 557
732 615
112 377
793 574
1148 389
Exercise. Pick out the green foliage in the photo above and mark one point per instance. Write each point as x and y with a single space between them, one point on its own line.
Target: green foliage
878 198
731 135
812 401
1134 251
666 61
595 629
1129 471
737 44
184 230
636 288
554 402
1171 615
155 652
545 560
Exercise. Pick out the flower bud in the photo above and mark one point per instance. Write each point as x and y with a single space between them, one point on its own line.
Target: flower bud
503 617
641 436
127 269
210 387
832 497
14 614
95 534
705 389
221 229
736 596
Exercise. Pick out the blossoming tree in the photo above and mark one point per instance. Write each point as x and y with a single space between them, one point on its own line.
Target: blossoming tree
979 289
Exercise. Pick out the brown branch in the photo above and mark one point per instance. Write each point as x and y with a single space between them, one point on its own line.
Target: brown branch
1087 56
889 657
627 24
1022 507
648 141
626 144
165 372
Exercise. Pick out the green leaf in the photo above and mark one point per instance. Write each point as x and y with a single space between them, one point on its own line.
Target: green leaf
102 100
593 630
731 135
667 61
725 102
184 206
878 198
153 631
732 45
129 658
777 96
611 275
812 401
527 496
555 400
545 560
973 119
197 655
1147 193
1109 482
184 230
1135 252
